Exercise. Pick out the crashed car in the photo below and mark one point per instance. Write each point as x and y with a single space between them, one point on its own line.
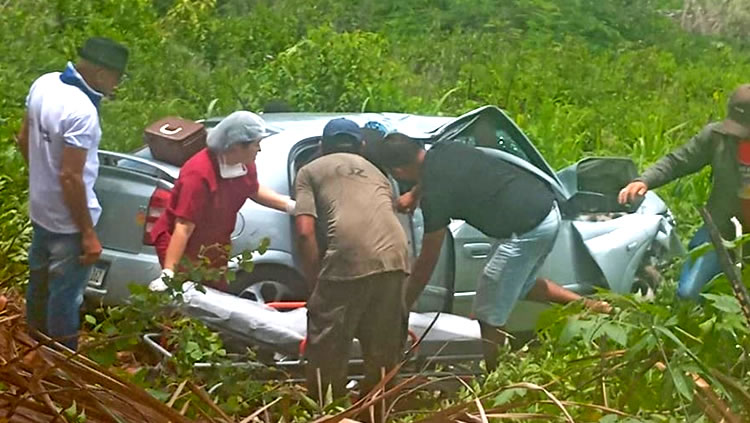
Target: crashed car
601 244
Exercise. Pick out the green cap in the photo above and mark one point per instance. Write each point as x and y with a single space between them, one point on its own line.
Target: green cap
105 52
737 122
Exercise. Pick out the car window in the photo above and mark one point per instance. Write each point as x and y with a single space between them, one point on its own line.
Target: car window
493 129
488 132
305 156
303 153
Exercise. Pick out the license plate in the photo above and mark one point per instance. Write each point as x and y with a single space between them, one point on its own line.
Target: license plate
98 273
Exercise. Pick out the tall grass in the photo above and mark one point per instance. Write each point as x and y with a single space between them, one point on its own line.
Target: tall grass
581 77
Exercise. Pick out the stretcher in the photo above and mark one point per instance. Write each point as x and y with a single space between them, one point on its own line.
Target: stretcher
277 332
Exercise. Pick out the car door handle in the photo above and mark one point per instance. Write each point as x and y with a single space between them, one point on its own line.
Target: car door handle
478 250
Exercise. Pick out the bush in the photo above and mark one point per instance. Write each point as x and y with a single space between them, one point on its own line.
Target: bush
580 76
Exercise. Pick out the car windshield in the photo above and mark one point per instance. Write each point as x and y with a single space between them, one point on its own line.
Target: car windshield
486 130
492 137
497 131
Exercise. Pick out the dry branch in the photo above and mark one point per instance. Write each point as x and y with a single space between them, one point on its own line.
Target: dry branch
42 380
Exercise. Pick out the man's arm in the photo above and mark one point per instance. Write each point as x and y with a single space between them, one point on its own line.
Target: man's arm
409 201
267 197
183 230
23 138
307 245
424 265
74 195
689 158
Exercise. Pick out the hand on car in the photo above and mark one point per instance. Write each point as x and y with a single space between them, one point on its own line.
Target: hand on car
407 203
91 248
631 191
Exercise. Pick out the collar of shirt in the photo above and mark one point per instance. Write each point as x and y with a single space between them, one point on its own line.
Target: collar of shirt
71 76
206 165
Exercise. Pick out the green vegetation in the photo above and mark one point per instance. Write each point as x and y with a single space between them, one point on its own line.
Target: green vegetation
581 77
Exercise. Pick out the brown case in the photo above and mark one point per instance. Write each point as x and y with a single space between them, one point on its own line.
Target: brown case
174 140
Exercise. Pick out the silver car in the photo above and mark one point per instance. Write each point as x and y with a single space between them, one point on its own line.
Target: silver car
600 244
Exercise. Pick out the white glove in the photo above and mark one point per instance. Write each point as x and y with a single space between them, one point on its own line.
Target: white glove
158 284
291 205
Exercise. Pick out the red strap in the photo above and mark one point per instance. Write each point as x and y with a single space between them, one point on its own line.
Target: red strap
286 305
302 347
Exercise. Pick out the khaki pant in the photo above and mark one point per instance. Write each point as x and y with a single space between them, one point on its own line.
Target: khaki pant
372 309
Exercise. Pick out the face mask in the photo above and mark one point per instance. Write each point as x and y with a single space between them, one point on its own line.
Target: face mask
228 171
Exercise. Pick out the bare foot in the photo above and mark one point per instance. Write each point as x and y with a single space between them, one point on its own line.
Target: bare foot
597 306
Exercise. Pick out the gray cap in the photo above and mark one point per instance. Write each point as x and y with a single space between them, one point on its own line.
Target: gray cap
239 127
737 122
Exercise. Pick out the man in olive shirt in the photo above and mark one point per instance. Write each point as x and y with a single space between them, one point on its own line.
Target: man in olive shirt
725 146
358 282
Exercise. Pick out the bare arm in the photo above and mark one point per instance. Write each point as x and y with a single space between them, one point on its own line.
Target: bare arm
183 230
270 198
409 201
74 195
307 245
23 138
424 265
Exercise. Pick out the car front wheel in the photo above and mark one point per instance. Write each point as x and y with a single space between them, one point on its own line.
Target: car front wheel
268 284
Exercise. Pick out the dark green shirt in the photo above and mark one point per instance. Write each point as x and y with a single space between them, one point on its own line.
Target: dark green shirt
709 147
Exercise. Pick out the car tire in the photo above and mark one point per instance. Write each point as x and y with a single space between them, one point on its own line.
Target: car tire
647 280
269 283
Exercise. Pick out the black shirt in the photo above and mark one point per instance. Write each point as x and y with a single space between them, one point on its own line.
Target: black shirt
496 197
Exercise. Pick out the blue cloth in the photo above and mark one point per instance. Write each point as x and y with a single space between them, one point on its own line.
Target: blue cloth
697 273
56 284
511 270
71 76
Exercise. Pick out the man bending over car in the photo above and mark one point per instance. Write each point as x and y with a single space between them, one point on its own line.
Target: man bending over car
500 199
358 282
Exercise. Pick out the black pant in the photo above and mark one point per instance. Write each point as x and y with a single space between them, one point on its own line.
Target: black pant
373 310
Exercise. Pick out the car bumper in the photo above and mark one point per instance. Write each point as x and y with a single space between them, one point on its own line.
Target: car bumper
115 271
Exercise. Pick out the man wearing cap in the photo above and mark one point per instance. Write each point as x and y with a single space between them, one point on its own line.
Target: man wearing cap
59 139
212 187
357 283
725 146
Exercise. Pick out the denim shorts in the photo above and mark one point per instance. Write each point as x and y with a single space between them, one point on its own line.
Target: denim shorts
510 271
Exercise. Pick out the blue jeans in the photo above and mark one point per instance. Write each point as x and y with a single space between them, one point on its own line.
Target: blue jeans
57 281
511 270
696 273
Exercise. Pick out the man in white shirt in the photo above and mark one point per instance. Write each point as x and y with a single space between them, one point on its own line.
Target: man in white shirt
59 139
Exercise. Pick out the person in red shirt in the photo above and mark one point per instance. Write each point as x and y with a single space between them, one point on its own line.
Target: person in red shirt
212 187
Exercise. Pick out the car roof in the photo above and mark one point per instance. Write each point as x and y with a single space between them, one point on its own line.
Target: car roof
417 126
290 128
